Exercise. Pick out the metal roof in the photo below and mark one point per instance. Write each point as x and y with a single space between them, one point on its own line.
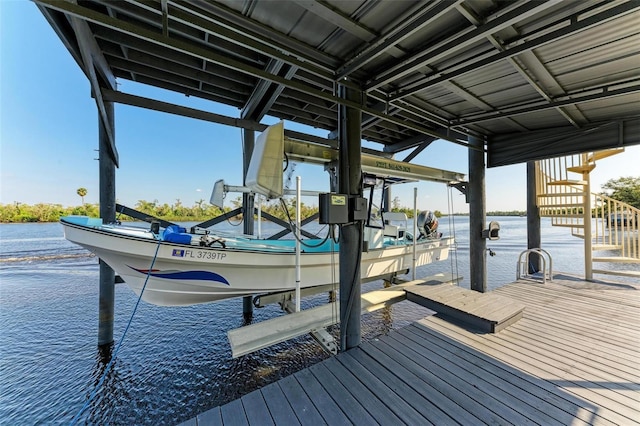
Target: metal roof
497 70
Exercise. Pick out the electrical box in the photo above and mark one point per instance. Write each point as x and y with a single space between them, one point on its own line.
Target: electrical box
334 208
358 209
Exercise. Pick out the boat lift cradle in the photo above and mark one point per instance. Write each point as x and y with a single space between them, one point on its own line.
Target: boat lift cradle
251 338
269 149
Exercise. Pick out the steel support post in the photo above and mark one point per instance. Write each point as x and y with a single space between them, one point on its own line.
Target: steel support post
248 201
534 239
350 183
587 219
477 216
107 182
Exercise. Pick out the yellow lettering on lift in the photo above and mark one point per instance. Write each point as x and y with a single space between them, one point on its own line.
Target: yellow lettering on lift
397 167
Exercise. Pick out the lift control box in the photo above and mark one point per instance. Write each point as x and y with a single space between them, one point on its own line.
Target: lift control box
334 208
358 209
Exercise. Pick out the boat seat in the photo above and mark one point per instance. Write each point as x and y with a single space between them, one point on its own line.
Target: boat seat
176 234
395 216
393 231
396 231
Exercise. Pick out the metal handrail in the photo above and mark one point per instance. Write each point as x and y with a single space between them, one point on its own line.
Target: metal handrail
523 265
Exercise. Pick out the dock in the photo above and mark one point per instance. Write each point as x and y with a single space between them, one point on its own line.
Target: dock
572 358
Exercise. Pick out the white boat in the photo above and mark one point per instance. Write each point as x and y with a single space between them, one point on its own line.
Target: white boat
188 273
185 268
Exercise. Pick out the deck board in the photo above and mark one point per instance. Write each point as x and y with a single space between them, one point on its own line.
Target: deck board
518 412
442 408
393 401
595 360
579 310
598 329
441 391
356 413
598 332
553 396
256 409
233 414
401 384
591 398
597 347
486 408
572 358
300 403
361 393
322 401
278 405
212 417
512 384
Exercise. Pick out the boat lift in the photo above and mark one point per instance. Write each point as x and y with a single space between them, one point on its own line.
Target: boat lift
264 176
314 321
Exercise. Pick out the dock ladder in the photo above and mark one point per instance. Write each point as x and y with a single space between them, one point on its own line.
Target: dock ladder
522 268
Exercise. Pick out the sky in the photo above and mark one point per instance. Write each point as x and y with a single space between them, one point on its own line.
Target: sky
49 138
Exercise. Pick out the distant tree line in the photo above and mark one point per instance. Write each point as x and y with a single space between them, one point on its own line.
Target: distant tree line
625 189
176 212
41 212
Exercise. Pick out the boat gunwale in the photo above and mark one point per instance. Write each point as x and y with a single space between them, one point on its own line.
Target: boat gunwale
113 233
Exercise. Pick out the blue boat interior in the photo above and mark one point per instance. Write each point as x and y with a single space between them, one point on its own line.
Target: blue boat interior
179 235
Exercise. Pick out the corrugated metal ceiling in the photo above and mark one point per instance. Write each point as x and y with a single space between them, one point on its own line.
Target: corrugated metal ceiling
428 68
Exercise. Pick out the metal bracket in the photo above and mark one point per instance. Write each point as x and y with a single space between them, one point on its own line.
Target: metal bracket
326 340
462 187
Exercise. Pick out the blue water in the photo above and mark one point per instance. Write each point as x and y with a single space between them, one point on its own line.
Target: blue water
175 361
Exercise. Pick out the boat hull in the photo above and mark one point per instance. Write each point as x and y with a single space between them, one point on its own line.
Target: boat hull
182 274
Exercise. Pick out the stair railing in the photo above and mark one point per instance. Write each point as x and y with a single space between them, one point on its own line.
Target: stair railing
616 226
564 195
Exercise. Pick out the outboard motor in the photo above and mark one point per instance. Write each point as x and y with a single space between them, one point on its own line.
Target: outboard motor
427 224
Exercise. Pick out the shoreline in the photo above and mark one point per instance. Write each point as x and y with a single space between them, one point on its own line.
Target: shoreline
203 218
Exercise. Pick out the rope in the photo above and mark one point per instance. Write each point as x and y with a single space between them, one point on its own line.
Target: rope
115 353
235 224
120 213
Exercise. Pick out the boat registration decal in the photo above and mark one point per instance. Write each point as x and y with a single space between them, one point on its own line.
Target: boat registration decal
198 254
183 275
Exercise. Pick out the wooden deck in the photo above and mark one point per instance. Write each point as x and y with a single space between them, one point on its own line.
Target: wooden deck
572 359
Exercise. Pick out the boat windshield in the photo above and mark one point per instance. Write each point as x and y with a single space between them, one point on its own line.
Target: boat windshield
374 193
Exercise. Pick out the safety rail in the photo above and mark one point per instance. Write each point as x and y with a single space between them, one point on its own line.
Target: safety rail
616 227
522 268
558 194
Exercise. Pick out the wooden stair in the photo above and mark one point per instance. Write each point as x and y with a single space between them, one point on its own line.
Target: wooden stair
630 274
563 194
599 155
